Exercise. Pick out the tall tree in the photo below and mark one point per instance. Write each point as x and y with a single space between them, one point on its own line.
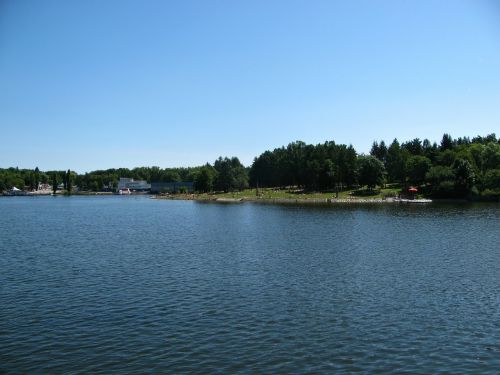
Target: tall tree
464 175
416 169
204 180
379 151
54 182
370 171
69 182
446 142
37 178
231 174
395 162
441 179
491 156
414 147
492 179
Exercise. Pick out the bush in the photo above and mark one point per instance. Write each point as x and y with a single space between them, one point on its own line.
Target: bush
491 193
389 194
365 192
445 189
492 179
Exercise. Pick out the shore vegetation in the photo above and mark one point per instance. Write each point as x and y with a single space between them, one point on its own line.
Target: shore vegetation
453 168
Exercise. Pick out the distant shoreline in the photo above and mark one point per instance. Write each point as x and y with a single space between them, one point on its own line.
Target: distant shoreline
311 201
272 200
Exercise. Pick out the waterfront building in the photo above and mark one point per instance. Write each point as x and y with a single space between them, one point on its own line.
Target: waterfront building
44 187
133 185
171 187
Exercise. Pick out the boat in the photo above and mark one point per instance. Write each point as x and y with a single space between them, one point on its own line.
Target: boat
15 192
125 191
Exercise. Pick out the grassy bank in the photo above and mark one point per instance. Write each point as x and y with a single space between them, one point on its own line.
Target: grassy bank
299 194
292 195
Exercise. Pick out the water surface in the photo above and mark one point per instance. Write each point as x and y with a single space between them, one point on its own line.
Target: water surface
130 284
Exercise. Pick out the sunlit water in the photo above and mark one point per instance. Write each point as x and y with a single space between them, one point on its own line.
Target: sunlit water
131 284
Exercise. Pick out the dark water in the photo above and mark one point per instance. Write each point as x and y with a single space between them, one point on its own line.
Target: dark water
130 284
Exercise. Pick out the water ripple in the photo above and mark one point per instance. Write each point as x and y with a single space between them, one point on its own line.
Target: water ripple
113 285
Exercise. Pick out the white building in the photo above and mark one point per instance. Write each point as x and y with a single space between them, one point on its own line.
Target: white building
130 183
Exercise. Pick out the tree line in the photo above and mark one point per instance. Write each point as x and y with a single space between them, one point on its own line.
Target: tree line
226 174
452 168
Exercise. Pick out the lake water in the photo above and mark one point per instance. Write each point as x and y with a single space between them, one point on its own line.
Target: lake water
131 284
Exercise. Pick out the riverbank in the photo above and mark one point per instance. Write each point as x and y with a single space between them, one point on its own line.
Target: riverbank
283 197
389 194
305 201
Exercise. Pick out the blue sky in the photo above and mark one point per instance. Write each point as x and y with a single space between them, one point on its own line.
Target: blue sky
98 84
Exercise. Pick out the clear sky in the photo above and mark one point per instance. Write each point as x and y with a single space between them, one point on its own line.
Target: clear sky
98 84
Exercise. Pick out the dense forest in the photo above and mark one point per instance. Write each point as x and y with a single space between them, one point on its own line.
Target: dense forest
455 168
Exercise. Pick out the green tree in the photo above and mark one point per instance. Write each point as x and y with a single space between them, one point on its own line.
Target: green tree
370 171
464 175
438 173
430 150
491 156
265 171
379 151
65 180
492 179
395 162
240 174
171 176
44 178
37 178
31 181
441 179
54 183
414 147
69 182
416 169
204 180
224 180
330 174
231 174
447 157
347 162
476 150
446 142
